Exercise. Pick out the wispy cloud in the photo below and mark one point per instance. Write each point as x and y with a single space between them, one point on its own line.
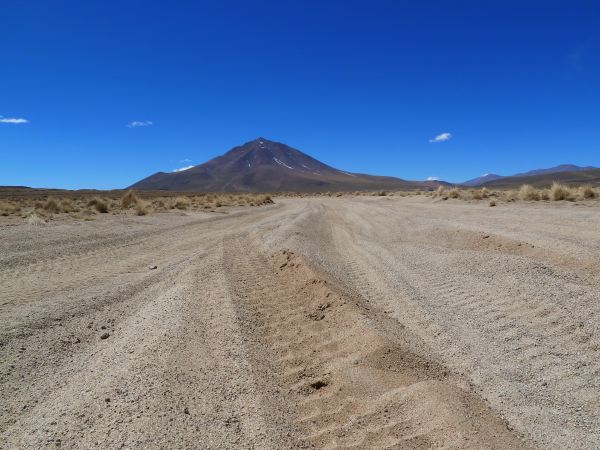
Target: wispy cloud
432 178
139 123
182 169
441 138
184 160
13 120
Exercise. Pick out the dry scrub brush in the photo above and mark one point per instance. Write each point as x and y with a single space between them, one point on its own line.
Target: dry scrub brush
528 192
557 192
129 200
86 207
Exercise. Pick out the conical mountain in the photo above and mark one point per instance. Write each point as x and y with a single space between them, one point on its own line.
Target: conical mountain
262 165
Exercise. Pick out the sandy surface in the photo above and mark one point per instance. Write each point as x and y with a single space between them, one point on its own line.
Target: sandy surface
366 322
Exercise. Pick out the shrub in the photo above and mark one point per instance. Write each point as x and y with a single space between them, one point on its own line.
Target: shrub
181 203
141 208
587 192
129 199
475 194
51 206
7 208
560 192
440 191
528 192
492 203
67 206
100 205
34 219
454 193
485 193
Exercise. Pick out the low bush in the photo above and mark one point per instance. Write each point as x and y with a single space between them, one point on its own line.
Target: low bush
100 205
587 192
129 199
51 206
560 192
528 192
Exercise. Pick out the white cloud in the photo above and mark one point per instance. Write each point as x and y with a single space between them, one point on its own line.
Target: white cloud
441 137
139 123
184 160
432 178
13 120
183 168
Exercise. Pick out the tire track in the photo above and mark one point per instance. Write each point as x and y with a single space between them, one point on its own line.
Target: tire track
349 384
523 347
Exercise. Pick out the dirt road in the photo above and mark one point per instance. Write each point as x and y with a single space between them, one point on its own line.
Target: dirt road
366 322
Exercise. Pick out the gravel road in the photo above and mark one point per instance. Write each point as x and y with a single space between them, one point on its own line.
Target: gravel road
321 322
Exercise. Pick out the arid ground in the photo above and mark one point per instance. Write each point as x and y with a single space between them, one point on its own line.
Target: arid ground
314 322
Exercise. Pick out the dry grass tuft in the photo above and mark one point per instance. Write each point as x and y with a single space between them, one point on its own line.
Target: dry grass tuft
181 203
67 206
587 192
492 203
528 192
8 208
129 199
560 192
34 219
51 206
475 194
454 193
99 205
141 208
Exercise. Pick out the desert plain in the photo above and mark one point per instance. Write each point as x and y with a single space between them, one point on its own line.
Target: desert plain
358 321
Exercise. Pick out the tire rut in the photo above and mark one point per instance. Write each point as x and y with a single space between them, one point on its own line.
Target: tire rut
346 383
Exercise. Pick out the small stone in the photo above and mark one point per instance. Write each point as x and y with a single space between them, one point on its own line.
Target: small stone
153 267
104 336
186 411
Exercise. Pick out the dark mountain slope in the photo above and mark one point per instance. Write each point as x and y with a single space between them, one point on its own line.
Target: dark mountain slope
266 166
556 169
576 178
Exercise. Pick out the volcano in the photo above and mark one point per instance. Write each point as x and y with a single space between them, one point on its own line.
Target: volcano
262 165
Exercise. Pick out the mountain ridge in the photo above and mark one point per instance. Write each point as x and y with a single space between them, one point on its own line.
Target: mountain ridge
262 165
490 179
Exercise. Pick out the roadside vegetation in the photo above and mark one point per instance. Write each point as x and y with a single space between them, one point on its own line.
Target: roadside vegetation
526 193
37 209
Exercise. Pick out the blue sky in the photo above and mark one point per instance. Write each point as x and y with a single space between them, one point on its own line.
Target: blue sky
363 86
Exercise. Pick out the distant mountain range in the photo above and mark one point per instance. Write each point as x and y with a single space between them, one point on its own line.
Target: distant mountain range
262 165
482 179
565 173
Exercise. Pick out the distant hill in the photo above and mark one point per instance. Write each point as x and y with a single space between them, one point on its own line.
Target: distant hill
482 179
262 165
576 178
575 175
556 169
